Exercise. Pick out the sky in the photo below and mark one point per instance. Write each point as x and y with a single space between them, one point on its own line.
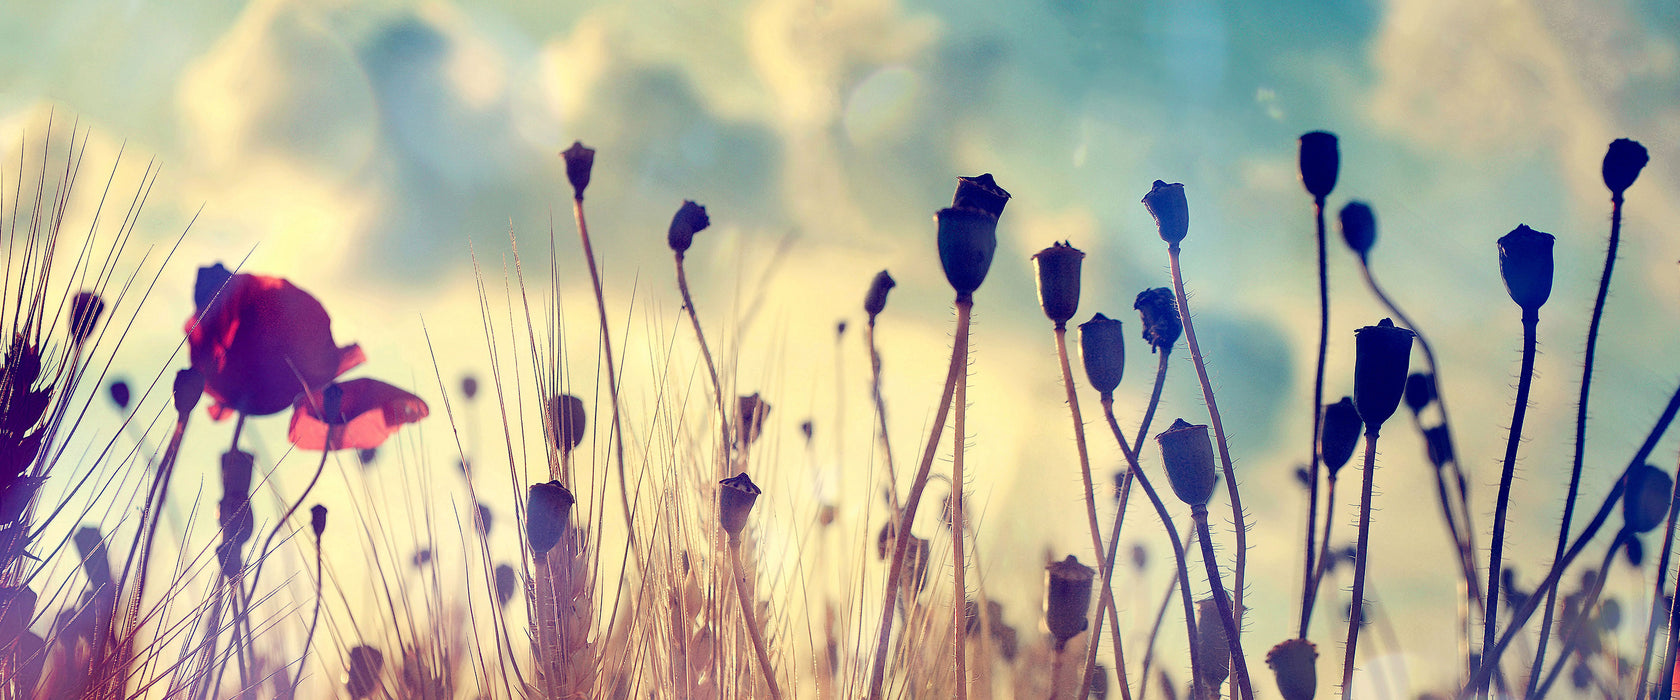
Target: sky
376 152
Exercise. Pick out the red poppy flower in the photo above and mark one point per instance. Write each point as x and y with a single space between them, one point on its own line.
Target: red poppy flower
260 341
369 411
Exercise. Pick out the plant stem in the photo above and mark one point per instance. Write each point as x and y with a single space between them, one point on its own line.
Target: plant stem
1154 397
1155 631
1357 612
1106 599
1308 583
1575 631
1222 602
1525 378
1673 647
1324 547
1658 592
262 558
1238 525
881 411
959 568
1056 671
612 368
314 618
750 618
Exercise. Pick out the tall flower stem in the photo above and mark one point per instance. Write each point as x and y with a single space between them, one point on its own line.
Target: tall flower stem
1357 612
1155 631
1106 599
1218 432
750 618
315 617
959 567
1309 583
320 467
1222 602
1162 357
881 411
1322 561
612 368
901 539
1525 378
1658 592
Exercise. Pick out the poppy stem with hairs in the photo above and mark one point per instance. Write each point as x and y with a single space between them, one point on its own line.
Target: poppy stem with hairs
750 617
1106 601
881 412
1155 632
959 566
1198 514
612 368
1308 583
1356 614
1525 379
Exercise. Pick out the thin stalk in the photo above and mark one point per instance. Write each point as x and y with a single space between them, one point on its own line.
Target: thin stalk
1673 647
881 411
1155 631
1658 592
1359 559
1237 519
1056 671
314 618
1581 418
612 369
320 467
1220 601
750 618
1575 631
1530 320
705 352
1106 598
1324 545
959 567
1308 583
1154 397
901 540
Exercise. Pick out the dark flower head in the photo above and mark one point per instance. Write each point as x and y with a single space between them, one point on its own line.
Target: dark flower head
1171 211
507 581
1058 280
469 387
1382 355
1067 598
120 394
85 310
367 412
1420 391
1525 261
580 160
967 240
980 192
318 519
189 388
1102 348
1646 501
736 496
1321 161
1622 164
548 515
690 219
751 412
1187 455
1359 228
1293 663
1438 445
566 421
1161 325
1338 435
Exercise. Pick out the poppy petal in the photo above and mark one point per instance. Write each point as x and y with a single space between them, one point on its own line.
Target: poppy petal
370 412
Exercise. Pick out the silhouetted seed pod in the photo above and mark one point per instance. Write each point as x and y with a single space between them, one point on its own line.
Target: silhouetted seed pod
548 516
120 394
208 284
1293 662
876 300
1382 354
1622 164
751 411
1187 455
332 406
1067 598
188 389
361 674
17 608
1440 448
580 161
736 496
1525 261
507 580
366 456
1420 391
690 219
96 561
1338 435
1610 615
1321 161
1359 228
566 422
318 519
1211 645
1171 210
1634 551
85 310
236 474
469 387
1646 501
967 240
485 519
1099 683
1161 325
980 192
884 538
1008 641
1058 281
1102 349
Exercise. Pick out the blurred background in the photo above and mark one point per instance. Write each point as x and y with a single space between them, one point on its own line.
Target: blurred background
381 154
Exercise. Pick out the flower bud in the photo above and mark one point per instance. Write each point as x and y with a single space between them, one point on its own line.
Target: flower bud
548 515
318 519
506 581
85 310
689 220
1320 162
1058 281
580 160
209 283
1646 501
120 394
876 300
751 412
189 388
981 192
1622 164
967 239
1102 348
1212 646
1382 354
469 387
566 420
236 474
1420 391
1338 435
362 672
1359 228
1187 455
736 496
1293 662
1067 598
1525 261
1161 325
1171 211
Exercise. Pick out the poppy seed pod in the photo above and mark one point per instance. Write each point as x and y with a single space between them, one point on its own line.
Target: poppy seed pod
1381 356
751 411
1102 348
736 497
1321 160
506 581
1525 261
566 420
120 394
1067 598
1293 663
1646 501
236 474
548 514
980 192
876 300
1420 391
1211 645
1338 435
469 387
1161 325
85 310
1622 164
580 160
1058 281
189 388
1359 228
318 519
1171 210
1187 455
967 240
362 672
690 219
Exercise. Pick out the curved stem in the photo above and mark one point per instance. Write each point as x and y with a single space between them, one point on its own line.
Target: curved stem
1308 582
1357 612
1525 379
1658 592
262 558
1323 548
750 618
612 368
1105 603
705 352
1574 634
1106 599
1223 603
881 412
1154 397
1155 631
314 618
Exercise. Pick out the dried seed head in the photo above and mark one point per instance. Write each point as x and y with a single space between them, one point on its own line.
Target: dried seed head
1058 280
1382 354
507 580
565 422
469 387
1102 349
690 219
361 673
876 300
120 394
1171 210
736 496
1420 391
548 515
1321 161
318 519
1622 164
1161 325
1339 434
189 388
751 412
1525 261
1293 662
980 192
1359 228
1211 645
967 240
580 160
1648 497
1187 455
1067 598
85 310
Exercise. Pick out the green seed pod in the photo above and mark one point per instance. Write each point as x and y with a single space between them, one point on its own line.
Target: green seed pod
980 192
318 519
1067 598
1321 161
690 219
1646 501
1382 355
736 496
967 240
1171 210
1359 228
548 515
1158 308
1187 455
580 160
1293 662
1338 434
566 422
1102 349
1525 261
1058 281
1622 164
189 388
876 300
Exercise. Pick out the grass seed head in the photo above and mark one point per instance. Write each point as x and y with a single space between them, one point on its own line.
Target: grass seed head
1622 163
980 192
548 515
1058 280
690 219
736 497
1293 664
967 240
1167 203
1359 228
580 160
876 300
1158 309
1187 455
1321 162
1382 355
1646 501
1339 434
1102 349
1067 598
1525 262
